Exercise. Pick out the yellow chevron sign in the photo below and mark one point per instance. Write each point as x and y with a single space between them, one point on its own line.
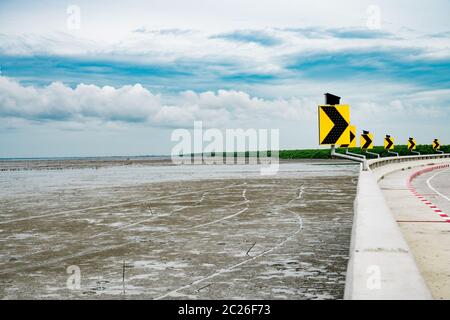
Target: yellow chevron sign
352 144
367 140
436 144
389 142
412 144
334 121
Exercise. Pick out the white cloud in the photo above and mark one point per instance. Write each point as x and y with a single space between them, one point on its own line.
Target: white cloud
136 104
132 104
60 102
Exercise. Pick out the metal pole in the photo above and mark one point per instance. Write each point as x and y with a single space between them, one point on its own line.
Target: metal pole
392 152
333 149
343 156
333 100
416 152
354 154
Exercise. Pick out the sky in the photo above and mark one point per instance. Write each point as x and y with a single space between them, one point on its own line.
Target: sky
104 78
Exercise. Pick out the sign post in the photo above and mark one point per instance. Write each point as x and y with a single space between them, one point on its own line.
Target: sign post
367 143
389 145
334 127
352 143
436 146
412 145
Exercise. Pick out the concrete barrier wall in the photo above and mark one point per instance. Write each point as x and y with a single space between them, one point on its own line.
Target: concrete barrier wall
381 265
382 167
376 163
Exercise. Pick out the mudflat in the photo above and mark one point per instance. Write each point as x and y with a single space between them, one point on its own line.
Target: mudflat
172 232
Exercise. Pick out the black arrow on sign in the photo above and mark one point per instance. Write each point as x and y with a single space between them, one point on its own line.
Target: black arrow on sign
412 144
340 125
436 144
368 140
352 137
390 142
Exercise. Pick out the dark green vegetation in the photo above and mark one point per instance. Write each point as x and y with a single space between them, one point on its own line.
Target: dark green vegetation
325 153
305 154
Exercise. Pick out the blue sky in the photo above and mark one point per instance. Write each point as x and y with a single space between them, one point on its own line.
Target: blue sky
126 76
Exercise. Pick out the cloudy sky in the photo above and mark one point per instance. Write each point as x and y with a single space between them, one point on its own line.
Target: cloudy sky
119 77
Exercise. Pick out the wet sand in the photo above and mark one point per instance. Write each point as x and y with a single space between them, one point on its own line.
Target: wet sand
246 236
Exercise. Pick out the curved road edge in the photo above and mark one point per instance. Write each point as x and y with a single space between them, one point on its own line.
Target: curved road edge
381 265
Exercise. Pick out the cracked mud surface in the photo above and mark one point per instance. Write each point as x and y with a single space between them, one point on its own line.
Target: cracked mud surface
204 236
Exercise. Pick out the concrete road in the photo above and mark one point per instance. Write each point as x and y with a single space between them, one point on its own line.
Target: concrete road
435 186
427 233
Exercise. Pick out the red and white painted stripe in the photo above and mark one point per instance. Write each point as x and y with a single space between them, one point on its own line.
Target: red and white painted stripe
432 206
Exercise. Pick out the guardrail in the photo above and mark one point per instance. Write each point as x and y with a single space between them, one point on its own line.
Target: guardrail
376 163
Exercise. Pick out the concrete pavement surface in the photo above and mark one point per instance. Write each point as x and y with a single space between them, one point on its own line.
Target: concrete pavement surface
427 233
